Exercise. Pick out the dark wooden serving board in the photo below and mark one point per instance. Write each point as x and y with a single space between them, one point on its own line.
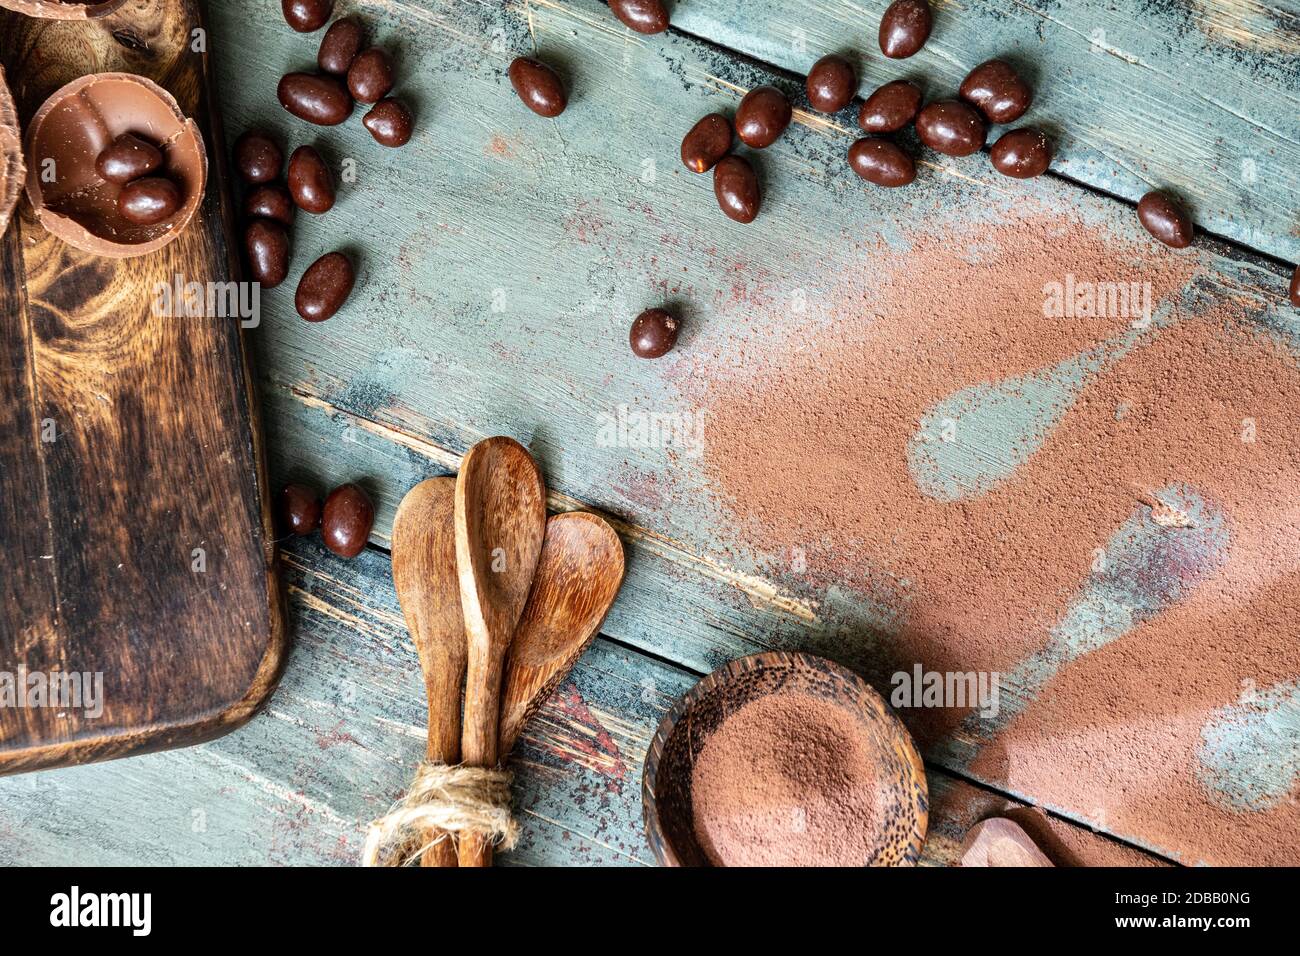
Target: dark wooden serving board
156 449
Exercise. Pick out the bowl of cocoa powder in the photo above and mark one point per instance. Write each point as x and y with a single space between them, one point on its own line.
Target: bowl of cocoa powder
782 759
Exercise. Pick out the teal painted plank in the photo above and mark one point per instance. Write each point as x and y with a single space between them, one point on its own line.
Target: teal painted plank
340 739
338 743
504 256
1201 97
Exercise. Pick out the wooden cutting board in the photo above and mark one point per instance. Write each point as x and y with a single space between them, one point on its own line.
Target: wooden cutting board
134 513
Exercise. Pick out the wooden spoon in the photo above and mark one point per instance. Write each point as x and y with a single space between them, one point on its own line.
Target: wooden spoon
578 575
998 841
424 571
500 524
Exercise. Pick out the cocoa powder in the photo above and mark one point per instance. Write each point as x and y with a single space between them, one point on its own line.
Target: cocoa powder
787 780
813 450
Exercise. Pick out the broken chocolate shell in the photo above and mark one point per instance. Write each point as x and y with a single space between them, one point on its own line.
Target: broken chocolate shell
70 130
12 169
62 9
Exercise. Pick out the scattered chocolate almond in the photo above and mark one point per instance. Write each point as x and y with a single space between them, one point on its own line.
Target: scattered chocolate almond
270 201
1165 219
904 28
1022 153
340 46
538 86
643 16
389 122
653 333
324 287
66 136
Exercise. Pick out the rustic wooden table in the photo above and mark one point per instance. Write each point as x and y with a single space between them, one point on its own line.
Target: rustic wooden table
501 258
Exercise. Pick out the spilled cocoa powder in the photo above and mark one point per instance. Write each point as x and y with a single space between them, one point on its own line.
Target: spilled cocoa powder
787 780
807 449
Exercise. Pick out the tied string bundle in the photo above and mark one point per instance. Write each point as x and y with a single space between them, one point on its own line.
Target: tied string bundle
452 800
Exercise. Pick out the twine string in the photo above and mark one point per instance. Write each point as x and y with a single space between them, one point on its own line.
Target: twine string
449 800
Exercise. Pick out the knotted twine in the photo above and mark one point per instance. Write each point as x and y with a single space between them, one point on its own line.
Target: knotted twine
452 800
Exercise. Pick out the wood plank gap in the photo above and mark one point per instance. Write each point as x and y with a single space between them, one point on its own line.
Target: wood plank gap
794 76
978 784
755 588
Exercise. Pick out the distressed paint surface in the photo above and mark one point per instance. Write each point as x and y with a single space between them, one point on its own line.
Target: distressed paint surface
341 739
465 323
1133 586
1201 97
1250 750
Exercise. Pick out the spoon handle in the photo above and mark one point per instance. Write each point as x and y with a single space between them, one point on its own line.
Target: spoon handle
479 734
443 747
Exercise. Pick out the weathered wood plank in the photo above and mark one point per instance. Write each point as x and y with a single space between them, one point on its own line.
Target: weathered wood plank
341 737
1201 97
504 256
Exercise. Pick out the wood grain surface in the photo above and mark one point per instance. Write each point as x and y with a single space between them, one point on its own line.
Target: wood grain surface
133 501
346 728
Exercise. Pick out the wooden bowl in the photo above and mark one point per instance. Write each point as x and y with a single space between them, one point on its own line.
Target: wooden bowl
666 784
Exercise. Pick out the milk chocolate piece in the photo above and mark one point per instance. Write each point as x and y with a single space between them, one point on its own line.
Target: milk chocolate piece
904 28
319 98
370 77
69 132
762 116
62 9
891 107
735 184
258 157
12 167
951 127
310 181
643 16
266 243
346 520
997 91
300 509
306 16
270 201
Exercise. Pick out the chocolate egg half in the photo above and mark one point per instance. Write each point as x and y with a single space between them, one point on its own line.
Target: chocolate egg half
69 132
62 9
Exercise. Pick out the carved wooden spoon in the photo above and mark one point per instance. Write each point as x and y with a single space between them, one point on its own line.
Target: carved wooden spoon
578 575
500 524
998 841
424 571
